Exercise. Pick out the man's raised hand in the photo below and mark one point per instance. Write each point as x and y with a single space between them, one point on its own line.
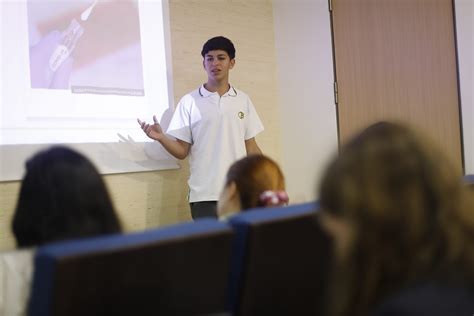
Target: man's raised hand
153 131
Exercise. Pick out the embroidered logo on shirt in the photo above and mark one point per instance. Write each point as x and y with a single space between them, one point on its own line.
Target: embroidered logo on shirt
241 115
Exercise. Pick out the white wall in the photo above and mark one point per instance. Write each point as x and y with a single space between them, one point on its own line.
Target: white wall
305 79
465 38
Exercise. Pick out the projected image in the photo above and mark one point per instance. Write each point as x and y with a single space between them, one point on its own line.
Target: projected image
86 46
81 71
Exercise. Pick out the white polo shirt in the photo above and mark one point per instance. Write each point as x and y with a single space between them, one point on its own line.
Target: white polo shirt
216 127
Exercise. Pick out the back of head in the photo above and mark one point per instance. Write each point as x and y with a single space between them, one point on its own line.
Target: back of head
219 43
62 196
259 182
407 206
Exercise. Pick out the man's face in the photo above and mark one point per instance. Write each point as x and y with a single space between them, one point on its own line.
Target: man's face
217 64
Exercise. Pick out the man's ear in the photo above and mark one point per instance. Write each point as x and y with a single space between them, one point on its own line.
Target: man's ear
232 63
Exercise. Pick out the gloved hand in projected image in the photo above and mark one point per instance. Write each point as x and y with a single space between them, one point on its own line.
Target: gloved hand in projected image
42 73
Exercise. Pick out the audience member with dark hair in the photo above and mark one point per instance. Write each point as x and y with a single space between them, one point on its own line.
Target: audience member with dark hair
62 196
403 227
253 181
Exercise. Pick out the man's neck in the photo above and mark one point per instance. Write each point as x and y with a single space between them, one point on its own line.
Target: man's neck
219 87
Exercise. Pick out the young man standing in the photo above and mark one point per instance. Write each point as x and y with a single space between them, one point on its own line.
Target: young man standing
215 125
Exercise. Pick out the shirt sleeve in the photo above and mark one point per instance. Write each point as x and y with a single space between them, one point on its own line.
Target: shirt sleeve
180 125
254 124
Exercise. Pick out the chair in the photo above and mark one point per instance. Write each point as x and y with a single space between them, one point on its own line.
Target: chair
178 270
469 179
279 263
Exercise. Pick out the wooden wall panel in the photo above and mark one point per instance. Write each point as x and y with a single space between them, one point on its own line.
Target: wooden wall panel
396 60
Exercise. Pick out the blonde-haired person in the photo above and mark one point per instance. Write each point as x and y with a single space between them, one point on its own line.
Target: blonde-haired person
403 227
253 181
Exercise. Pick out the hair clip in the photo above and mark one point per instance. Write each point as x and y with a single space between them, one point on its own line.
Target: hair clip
273 198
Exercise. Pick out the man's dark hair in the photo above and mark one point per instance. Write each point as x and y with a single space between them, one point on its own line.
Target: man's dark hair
219 43
62 196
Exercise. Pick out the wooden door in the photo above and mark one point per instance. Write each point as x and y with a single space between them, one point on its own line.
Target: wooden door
396 59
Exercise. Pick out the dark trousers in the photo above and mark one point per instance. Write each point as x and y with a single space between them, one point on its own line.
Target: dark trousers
203 209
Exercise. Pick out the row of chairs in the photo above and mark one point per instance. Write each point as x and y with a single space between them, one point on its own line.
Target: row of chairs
272 262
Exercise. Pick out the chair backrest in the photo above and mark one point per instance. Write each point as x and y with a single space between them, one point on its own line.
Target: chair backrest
177 270
280 261
469 179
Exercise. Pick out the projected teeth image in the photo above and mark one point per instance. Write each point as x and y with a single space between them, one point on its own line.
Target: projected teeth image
86 46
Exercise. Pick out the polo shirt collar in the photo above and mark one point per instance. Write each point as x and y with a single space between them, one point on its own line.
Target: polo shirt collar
205 93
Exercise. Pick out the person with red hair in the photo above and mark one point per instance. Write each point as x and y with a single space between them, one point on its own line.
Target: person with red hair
253 181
